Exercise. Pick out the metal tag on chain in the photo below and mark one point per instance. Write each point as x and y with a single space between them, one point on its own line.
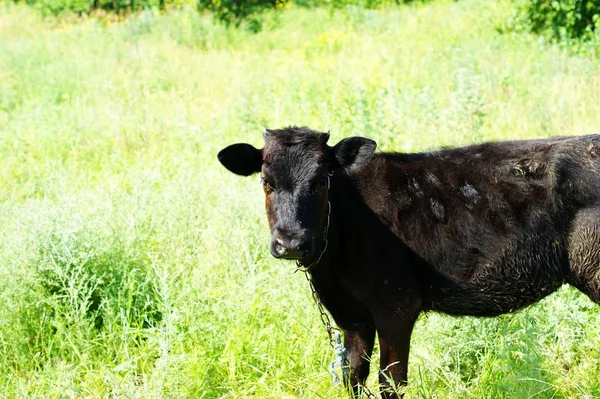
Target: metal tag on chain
341 359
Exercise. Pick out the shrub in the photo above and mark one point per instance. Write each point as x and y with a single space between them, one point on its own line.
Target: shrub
234 12
83 291
56 7
357 3
86 283
562 18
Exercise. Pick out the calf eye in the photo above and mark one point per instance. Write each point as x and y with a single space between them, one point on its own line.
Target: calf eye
266 186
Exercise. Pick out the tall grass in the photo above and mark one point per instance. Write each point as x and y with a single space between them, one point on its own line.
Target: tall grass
133 265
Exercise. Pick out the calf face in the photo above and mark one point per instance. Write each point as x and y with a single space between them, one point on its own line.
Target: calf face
294 167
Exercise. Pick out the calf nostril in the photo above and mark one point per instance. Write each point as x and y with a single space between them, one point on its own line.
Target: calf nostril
280 249
304 248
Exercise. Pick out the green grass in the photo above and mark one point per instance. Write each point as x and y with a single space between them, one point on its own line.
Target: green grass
132 265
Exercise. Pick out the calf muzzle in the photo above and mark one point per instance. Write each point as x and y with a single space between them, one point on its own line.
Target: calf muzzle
291 246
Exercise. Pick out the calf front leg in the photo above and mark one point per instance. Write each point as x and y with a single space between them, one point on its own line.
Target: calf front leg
395 313
359 344
394 344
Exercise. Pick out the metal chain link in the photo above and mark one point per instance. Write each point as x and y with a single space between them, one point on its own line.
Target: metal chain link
335 341
334 333
331 330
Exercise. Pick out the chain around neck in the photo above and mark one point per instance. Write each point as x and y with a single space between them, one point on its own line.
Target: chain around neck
308 268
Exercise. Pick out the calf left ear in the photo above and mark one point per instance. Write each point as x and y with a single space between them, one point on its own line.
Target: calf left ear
354 152
241 159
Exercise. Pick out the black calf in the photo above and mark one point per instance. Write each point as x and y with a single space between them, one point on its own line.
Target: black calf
480 230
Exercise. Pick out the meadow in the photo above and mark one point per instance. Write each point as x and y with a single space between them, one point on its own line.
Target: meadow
132 265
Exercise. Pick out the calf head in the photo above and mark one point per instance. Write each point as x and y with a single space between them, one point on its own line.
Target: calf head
294 166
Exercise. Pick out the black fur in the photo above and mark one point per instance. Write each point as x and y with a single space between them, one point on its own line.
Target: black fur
479 230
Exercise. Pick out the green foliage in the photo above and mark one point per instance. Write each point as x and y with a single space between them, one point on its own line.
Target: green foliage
234 12
562 19
57 7
82 283
369 4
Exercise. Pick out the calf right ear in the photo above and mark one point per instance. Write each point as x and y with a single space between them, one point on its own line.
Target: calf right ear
353 152
241 159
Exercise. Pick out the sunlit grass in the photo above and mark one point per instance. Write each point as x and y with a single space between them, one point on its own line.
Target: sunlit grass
133 265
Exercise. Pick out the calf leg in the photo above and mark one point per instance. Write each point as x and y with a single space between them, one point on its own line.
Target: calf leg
394 344
359 344
584 252
395 313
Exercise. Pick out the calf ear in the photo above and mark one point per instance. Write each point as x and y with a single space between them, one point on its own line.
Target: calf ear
354 152
241 159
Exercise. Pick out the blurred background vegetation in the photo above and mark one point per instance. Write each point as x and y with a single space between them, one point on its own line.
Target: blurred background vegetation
560 19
